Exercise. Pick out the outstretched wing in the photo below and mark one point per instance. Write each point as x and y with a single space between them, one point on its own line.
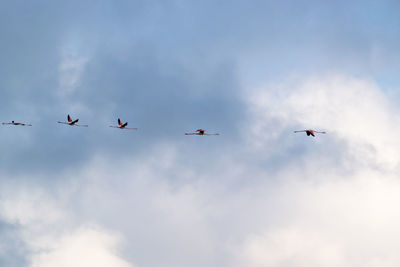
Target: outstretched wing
119 122
69 118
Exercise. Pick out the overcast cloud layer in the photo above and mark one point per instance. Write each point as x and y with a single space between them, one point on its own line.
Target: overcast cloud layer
257 195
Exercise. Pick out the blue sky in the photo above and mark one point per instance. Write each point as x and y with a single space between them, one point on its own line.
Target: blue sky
253 71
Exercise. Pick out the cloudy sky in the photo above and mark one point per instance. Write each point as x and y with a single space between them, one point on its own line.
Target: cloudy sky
255 71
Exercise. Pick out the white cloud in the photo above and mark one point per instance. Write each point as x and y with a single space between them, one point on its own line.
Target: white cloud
51 231
84 247
341 223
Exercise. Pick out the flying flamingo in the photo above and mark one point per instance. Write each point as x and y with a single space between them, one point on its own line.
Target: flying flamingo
70 122
16 123
310 132
122 126
201 132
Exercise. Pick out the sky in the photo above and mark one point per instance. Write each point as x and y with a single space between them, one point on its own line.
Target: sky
254 71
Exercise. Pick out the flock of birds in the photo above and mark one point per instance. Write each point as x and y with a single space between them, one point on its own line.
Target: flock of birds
121 125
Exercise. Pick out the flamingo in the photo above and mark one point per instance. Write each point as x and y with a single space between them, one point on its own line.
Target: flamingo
122 126
16 123
201 132
72 122
310 132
